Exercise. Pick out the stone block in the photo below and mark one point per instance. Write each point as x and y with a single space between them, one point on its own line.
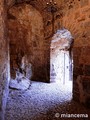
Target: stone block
78 70
86 51
87 24
76 87
86 86
76 96
85 59
82 18
84 3
77 15
76 60
87 9
21 84
87 70
74 77
77 51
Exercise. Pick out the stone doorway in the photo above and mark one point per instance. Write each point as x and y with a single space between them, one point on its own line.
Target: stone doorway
61 66
61 60
25 25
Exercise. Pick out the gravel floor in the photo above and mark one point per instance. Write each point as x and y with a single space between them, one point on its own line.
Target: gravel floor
43 101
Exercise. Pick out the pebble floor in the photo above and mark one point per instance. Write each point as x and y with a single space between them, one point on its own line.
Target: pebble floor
43 101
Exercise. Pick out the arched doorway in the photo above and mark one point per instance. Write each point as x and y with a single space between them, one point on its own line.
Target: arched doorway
61 58
25 25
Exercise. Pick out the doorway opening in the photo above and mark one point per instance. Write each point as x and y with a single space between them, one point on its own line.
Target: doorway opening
61 58
26 43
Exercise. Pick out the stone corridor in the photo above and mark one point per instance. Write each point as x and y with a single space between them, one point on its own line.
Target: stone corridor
28 28
43 101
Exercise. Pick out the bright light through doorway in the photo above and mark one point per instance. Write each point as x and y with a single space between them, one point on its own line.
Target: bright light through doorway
61 68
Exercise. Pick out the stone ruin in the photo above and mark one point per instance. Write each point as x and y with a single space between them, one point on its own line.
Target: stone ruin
23 75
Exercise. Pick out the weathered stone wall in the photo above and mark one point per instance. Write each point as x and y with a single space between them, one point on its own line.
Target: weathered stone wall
27 32
42 7
76 18
4 60
26 35
74 15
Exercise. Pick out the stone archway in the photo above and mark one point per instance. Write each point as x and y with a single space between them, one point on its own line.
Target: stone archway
26 36
61 57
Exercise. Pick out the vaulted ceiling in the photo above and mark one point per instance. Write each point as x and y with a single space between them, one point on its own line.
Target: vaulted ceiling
39 4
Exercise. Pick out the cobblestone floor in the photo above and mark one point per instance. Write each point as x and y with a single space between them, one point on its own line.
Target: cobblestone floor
43 101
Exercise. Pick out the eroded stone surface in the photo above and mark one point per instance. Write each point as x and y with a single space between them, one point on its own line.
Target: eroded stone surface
4 60
62 39
21 84
23 75
75 18
73 15
27 38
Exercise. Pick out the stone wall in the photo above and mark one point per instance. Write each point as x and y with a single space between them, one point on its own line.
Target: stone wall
30 34
26 35
76 18
4 62
47 33
73 15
